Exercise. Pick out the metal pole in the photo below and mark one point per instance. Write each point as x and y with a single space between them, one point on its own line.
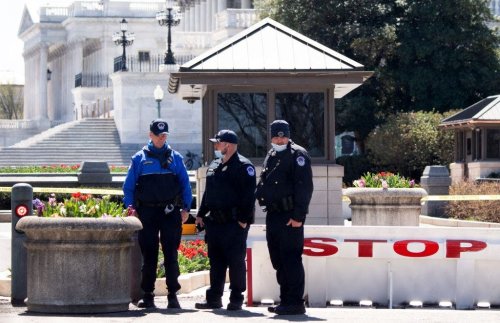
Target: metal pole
169 56
124 57
159 107
21 205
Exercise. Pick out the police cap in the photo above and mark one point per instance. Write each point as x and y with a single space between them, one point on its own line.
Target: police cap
225 136
158 126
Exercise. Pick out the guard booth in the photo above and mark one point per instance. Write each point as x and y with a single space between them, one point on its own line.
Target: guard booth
269 72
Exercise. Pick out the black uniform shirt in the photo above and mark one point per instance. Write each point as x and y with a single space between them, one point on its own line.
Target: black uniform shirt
284 174
230 186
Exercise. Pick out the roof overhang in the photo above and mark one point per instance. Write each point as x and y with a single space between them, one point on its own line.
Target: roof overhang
184 83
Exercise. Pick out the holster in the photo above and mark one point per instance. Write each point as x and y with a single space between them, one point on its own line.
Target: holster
283 205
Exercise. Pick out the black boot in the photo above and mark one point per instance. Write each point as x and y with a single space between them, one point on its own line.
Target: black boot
147 301
173 302
208 305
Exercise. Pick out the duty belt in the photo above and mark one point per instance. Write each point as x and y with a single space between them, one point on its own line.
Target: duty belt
222 216
283 205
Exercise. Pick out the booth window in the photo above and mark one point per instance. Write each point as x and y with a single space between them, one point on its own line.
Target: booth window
305 113
245 114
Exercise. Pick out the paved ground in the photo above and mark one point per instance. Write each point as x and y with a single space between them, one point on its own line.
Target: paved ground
10 314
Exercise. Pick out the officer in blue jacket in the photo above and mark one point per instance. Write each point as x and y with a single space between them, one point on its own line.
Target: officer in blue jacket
158 191
227 210
284 192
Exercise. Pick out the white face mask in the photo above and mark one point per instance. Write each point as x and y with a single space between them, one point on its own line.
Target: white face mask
218 154
278 148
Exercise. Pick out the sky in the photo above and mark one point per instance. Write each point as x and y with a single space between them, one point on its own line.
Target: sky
11 59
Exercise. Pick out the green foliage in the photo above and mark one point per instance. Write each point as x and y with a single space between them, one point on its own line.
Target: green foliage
408 142
384 180
483 210
426 55
59 168
192 257
446 54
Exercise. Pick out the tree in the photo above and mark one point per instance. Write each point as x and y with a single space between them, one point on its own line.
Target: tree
408 142
11 101
446 55
426 55
360 29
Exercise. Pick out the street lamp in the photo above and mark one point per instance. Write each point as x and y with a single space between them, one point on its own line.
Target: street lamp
158 93
124 39
166 18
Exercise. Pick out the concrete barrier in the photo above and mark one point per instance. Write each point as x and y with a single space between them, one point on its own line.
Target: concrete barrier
389 266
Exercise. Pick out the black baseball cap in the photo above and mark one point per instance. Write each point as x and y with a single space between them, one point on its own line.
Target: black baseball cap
158 126
225 136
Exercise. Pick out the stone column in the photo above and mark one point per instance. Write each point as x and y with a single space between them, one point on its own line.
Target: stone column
42 113
435 180
192 18
204 15
213 13
221 5
197 10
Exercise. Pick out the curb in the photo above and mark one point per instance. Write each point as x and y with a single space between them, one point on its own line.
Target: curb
189 282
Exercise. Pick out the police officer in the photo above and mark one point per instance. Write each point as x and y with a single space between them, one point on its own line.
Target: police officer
157 189
284 192
226 211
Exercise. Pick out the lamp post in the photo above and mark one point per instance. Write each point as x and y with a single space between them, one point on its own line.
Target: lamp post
166 18
158 94
124 39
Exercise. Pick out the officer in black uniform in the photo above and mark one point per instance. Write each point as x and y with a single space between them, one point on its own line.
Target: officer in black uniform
226 211
284 192
157 186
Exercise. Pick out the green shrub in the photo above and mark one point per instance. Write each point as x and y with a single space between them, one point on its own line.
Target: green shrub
487 211
407 142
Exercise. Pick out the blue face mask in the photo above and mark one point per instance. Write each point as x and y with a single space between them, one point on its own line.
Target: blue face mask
278 148
218 154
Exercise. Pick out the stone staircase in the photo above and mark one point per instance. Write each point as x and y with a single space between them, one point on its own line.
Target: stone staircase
71 143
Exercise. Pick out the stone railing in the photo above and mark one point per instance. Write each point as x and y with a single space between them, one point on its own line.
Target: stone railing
236 18
97 9
18 124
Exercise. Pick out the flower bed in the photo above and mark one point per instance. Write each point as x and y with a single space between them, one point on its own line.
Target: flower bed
55 168
79 205
192 257
384 180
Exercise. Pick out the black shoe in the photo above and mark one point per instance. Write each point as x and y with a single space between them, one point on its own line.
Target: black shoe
290 309
173 302
271 309
208 305
148 301
234 306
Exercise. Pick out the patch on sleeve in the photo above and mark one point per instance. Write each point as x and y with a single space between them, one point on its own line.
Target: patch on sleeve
250 171
301 161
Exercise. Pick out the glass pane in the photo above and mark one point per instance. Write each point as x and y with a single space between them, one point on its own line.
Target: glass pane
245 114
305 113
492 143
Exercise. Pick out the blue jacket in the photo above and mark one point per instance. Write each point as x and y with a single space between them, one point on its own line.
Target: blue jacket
144 164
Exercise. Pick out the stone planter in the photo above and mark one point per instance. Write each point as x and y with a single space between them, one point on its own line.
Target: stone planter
78 265
389 207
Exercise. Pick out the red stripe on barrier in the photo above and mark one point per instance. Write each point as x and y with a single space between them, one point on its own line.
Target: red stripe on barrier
249 278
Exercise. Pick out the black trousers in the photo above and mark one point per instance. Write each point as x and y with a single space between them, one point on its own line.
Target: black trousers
227 244
166 229
286 245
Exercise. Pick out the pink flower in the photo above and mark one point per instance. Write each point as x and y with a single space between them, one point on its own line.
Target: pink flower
384 184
